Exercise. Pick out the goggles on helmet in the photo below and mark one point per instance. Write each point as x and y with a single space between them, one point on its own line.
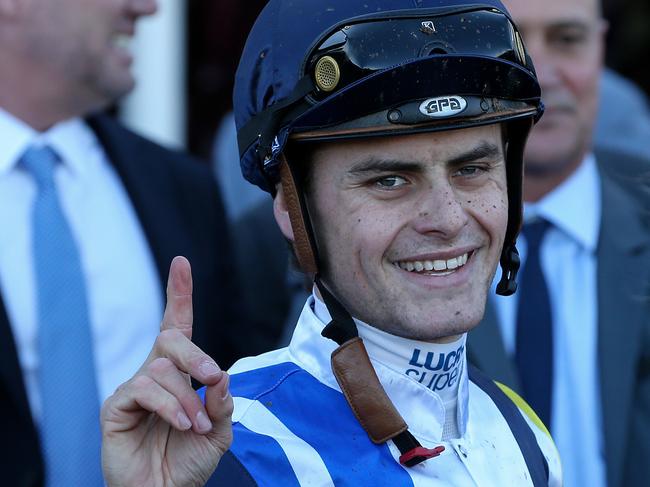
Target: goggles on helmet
372 74
358 49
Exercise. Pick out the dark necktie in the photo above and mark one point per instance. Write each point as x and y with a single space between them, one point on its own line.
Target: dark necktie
534 352
70 434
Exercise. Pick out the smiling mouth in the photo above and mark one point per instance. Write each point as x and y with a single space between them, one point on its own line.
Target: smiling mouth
122 41
434 267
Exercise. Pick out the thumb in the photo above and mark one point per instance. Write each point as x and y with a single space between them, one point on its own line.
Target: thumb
219 405
178 312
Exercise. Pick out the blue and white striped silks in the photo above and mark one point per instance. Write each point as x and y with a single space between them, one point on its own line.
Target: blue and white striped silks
293 427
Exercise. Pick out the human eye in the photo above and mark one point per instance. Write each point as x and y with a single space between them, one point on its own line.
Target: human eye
390 182
470 171
570 38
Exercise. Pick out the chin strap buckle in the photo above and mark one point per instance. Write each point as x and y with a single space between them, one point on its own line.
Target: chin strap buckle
510 263
419 454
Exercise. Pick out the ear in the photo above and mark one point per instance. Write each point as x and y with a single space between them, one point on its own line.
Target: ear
281 213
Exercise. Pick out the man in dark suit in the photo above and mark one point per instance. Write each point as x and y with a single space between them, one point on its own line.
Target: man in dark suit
118 208
575 339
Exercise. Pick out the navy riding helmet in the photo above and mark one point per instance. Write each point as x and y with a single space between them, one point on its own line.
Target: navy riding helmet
318 70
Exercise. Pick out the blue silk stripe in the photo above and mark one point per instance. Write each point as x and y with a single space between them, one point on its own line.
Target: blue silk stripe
263 457
321 417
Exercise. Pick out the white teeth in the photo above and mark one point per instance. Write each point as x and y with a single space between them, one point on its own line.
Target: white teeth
434 265
122 41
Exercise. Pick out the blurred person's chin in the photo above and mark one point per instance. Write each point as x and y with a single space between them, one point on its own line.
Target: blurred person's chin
109 84
556 145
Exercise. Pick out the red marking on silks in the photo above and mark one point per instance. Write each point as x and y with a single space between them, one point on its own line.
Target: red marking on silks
419 454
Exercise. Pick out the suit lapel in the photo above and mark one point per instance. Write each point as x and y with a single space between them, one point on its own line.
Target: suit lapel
622 256
149 191
152 178
486 351
10 371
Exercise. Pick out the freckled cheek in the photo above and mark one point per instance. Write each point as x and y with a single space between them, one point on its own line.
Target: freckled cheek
491 212
373 234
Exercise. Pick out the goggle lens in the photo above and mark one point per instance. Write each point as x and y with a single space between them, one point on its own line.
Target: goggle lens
357 50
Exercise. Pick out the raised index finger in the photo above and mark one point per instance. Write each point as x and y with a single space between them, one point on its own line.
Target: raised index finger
178 312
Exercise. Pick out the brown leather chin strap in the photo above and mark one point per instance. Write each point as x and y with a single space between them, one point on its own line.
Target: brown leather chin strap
361 387
365 394
302 242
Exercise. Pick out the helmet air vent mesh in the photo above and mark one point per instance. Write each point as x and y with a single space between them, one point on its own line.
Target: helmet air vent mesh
327 73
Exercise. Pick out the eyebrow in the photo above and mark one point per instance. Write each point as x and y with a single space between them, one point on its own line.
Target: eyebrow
484 150
374 164
570 24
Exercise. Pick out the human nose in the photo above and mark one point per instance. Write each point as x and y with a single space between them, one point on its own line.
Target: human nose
440 212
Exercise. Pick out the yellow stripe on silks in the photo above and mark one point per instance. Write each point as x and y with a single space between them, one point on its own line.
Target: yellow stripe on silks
523 406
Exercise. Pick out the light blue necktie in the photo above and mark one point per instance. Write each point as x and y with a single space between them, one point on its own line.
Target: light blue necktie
70 432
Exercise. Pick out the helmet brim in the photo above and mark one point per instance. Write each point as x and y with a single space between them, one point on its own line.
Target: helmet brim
420 79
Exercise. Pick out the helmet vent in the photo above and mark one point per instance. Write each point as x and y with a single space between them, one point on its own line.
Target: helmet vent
327 73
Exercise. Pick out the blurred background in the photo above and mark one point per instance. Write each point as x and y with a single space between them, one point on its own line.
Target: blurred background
186 57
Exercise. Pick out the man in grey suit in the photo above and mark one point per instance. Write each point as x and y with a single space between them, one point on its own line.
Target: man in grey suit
584 282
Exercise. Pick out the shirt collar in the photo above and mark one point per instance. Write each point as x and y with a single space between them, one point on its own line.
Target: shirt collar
16 137
574 206
422 408
71 139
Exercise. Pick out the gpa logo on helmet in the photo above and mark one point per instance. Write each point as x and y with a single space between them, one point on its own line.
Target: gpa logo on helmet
443 106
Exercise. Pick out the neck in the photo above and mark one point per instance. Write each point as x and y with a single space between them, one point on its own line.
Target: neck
321 308
436 366
436 373
539 183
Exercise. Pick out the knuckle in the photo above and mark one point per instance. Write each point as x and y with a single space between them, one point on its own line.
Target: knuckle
141 382
228 407
119 390
167 338
197 358
168 407
161 365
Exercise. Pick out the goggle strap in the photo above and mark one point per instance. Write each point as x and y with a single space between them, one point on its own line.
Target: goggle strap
263 126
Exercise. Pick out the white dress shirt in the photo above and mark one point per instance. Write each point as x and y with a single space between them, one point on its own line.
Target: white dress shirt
568 261
124 294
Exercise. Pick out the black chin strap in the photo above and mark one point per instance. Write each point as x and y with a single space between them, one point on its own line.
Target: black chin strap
343 331
342 327
510 263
